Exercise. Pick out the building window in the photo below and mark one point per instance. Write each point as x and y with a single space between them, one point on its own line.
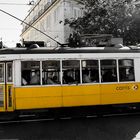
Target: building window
42 26
56 14
77 12
48 21
126 70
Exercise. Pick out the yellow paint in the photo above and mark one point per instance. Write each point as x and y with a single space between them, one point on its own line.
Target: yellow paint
48 97
120 93
74 95
81 95
38 97
11 107
2 108
6 95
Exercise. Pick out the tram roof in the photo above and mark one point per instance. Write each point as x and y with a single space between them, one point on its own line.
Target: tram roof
54 50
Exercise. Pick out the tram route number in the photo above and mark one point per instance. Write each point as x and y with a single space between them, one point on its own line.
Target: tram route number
133 87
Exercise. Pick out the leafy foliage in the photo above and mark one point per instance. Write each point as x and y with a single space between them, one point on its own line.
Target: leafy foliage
117 17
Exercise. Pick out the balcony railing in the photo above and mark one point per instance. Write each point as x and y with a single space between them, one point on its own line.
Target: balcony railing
40 12
46 6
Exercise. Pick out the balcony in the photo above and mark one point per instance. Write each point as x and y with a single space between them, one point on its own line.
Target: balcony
46 6
42 11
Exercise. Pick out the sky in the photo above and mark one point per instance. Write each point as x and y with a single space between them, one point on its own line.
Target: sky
10 28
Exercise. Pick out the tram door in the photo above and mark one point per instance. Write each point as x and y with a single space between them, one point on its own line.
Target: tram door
6 82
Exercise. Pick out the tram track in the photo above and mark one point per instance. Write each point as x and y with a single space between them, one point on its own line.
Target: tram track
34 118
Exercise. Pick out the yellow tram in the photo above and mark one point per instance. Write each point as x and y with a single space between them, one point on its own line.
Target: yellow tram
43 78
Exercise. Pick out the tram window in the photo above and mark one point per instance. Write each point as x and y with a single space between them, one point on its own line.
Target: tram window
1 96
71 71
51 72
108 71
126 70
90 71
1 73
9 72
30 71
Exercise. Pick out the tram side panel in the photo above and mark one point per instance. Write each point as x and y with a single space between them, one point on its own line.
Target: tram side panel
33 97
120 93
81 95
123 92
38 97
57 96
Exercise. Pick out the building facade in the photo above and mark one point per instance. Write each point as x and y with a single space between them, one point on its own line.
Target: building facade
49 17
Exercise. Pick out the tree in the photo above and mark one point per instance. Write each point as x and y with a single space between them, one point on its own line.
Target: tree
117 17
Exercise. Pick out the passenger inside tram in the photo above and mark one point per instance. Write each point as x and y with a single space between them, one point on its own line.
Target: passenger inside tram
95 75
109 76
67 77
86 77
50 79
24 82
131 74
51 72
55 80
25 78
35 78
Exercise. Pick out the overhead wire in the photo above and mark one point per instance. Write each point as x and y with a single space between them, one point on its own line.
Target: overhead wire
14 4
3 11
31 2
